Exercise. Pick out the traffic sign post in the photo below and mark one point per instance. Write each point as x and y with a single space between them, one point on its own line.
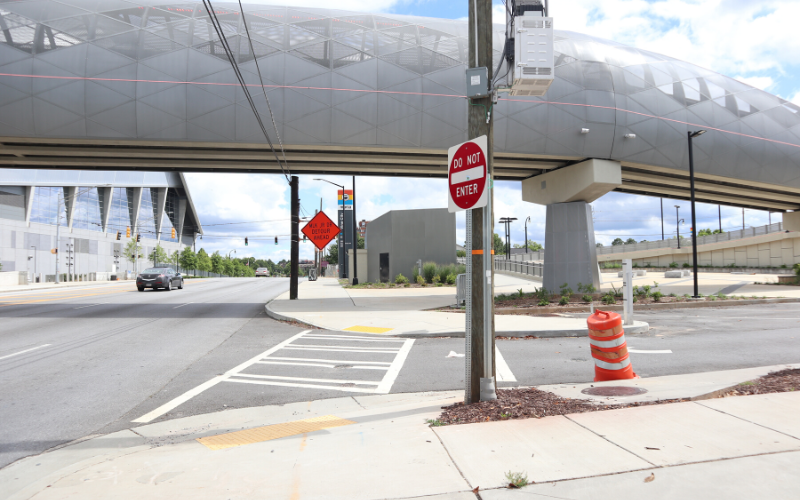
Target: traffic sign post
469 188
321 230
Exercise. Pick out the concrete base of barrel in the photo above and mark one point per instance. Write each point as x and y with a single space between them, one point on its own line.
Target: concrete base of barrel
677 274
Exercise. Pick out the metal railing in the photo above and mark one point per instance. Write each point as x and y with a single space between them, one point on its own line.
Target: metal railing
687 241
461 289
534 269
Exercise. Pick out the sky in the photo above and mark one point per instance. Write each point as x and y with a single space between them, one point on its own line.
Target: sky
754 42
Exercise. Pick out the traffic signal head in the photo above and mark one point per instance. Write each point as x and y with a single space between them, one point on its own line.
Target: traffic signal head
128 232
173 233
119 236
138 238
245 241
276 240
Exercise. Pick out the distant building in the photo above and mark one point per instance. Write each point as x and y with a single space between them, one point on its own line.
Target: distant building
362 228
399 238
91 208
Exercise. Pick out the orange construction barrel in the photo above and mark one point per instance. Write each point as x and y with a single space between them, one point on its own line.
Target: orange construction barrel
609 350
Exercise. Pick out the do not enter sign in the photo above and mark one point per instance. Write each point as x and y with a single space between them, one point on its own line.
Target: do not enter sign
467 175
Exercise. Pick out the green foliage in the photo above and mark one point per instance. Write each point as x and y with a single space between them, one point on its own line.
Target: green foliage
564 300
797 269
532 246
400 279
435 423
686 264
586 298
158 255
609 299
131 249
429 271
544 302
204 261
451 279
188 259
542 293
630 241
420 280
657 296
520 293
436 279
461 253
216 263
722 296
516 479
586 288
673 265
599 245
566 290
174 257
498 245
333 253
617 242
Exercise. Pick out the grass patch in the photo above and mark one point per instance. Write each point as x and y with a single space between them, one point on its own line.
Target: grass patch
435 423
516 479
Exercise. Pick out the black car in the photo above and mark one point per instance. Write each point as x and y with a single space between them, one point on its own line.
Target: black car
159 277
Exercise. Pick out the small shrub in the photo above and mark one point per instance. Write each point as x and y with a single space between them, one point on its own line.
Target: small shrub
420 280
686 295
544 302
673 265
712 297
635 299
461 253
520 293
436 280
516 479
673 295
609 299
586 298
429 271
797 269
722 296
686 265
586 288
435 423
451 279
564 301
566 290
400 279
657 296
541 293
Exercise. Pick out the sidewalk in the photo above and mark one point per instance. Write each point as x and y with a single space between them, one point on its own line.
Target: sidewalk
404 312
35 287
375 447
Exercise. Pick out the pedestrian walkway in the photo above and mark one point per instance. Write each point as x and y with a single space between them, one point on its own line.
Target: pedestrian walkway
369 447
405 312
710 283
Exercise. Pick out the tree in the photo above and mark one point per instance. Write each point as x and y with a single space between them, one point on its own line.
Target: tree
630 241
158 255
461 253
498 245
333 254
203 261
174 258
360 242
188 259
532 246
617 242
228 267
130 250
599 245
216 263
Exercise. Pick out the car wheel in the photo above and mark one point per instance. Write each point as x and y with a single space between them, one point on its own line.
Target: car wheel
141 288
169 286
180 287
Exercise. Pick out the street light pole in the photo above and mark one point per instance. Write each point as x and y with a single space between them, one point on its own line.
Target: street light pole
507 221
678 224
355 236
662 219
719 212
691 135
526 233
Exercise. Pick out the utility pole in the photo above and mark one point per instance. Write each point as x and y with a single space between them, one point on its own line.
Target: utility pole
355 236
719 212
742 220
295 253
662 219
481 383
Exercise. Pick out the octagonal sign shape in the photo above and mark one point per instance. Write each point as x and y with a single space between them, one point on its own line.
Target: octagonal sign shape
321 230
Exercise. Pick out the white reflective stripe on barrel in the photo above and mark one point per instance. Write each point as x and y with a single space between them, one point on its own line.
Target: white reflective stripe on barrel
612 366
607 343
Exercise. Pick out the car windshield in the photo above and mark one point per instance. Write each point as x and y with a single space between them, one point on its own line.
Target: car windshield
154 270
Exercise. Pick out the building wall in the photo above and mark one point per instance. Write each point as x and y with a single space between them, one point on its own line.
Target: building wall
769 250
94 249
410 235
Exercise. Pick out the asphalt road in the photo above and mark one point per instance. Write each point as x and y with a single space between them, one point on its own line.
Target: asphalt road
94 360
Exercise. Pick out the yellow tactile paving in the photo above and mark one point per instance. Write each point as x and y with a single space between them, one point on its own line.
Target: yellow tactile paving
367 329
266 433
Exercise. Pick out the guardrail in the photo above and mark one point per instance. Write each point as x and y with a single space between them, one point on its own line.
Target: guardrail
687 241
534 269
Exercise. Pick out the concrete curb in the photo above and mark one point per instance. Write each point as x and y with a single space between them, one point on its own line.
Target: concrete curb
645 307
582 332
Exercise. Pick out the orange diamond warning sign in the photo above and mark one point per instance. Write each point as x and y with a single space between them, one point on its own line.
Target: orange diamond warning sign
321 230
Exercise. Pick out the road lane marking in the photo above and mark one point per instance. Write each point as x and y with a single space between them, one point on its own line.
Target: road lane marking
394 370
503 371
387 363
91 305
645 351
346 347
6 304
300 363
148 417
332 380
339 350
353 339
367 329
26 350
186 304
305 386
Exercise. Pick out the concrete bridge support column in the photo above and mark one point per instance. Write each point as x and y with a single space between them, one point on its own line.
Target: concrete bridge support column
570 254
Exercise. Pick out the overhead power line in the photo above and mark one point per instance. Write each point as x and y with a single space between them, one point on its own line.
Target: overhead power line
212 15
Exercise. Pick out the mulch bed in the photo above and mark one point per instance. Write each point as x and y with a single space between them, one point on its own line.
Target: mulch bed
533 403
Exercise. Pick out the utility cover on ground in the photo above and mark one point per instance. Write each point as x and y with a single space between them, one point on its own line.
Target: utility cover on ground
467 175
321 230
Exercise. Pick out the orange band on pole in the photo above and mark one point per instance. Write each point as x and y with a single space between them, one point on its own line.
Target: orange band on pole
479 252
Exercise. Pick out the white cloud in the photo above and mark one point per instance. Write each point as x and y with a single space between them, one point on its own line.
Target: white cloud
796 98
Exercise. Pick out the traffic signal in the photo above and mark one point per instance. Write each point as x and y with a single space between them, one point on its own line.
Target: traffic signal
54 251
245 241
305 238
128 232
119 236
173 233
276 240
138 238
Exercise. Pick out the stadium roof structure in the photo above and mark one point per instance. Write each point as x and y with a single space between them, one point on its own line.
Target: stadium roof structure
145 85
